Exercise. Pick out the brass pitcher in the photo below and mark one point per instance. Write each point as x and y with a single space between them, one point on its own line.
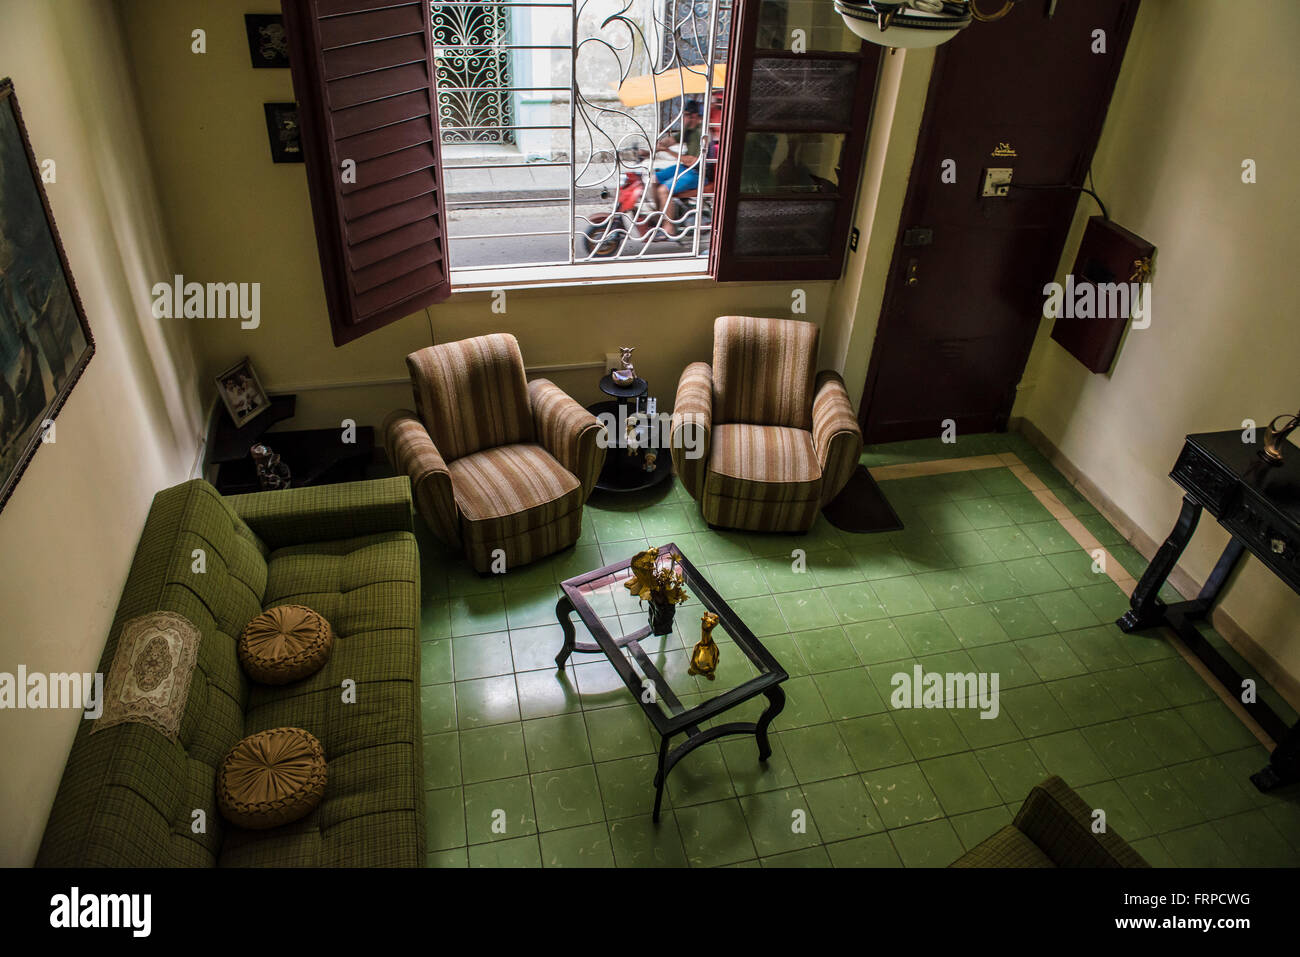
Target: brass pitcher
704 659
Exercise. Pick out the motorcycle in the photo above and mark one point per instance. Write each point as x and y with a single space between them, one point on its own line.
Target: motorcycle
635 219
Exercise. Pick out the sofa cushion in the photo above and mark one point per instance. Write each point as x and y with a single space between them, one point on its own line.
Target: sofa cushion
506 491
285 644
1009 847
472 394
763 461
271 778
763 371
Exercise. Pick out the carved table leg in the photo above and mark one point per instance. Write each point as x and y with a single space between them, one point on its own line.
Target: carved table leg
1147 609
563 609
776 699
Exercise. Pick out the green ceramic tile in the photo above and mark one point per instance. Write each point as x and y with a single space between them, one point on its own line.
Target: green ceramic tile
1084 700
984 513
803 705
804 610
516 852
967 549
902 795
454 857
855 602
1214 788
874 742
842 808
1133 691
442 760
486 701
499 810
1178 681
848 693
902 596
1121 816
1024 508
444 818
984 732
715 834
618 732
1050 537
959 486
1009 543
927 845
1198 846
1106 599
1036 575
750 775
975 626
435 662
1020 617
877 641
556 742
640 842
929 733
1144 646
1099 647
611 526
834 566
1216 725
805 857
816 753
627 786
438 708
1161 802
700 778
586 846
924 552
566 798
1050 656
779 821
927 633
531 607
1069 756
1076 567
975 827
960 784
482 656
477 614
781 573
736 580
874 559
545 693
1000 481
1065 610
1255 842
826 649
1013 768
496 751
948 589
993 581
1005 661
762 615
435 620
1153 852
944 518
875 850
785 650
1121 747
1101 529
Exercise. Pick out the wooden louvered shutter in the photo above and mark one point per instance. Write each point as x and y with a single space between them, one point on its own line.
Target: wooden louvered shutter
364 79
795 132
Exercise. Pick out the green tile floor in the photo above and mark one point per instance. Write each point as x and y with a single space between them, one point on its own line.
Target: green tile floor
527 767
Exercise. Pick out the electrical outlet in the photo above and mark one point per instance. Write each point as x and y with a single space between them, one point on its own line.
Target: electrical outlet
997 181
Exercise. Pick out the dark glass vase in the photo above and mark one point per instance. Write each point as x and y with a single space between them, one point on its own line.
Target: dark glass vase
661 618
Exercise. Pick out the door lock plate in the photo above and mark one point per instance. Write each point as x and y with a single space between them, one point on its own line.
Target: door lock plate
997 181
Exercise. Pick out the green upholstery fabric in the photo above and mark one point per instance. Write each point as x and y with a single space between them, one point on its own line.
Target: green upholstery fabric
128 794
1053 828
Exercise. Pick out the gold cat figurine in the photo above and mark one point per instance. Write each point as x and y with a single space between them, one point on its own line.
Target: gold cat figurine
704 659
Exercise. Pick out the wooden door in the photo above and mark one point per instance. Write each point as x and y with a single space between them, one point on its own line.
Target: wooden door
964 296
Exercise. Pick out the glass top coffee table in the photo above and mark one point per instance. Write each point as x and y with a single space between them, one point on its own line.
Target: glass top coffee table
654 669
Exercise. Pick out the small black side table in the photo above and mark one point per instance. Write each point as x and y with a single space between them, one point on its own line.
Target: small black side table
1259 504
314 456
623 472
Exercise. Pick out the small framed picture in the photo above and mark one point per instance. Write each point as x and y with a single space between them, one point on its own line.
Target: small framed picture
282 129
242 392
267 43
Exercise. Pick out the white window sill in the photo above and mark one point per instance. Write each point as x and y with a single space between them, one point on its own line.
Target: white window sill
579 274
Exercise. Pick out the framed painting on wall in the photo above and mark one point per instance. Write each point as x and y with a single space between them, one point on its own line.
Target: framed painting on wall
267 44
45 341
283 132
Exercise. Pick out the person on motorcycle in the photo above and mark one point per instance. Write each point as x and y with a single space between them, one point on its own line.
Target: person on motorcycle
685 173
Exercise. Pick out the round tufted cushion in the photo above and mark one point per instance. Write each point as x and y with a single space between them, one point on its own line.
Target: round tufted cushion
285 644
271 778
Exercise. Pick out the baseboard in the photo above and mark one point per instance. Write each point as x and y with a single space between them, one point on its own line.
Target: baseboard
1283 682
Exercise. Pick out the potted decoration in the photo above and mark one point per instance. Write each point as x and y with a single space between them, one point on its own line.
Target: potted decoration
660 586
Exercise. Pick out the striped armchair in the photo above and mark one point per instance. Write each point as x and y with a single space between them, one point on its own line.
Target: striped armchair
495 462
757 439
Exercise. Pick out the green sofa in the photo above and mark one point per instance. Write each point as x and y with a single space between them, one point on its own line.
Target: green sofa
1053 828
129 795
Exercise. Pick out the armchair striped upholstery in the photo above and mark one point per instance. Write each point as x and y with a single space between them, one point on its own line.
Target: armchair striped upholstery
495 462
774 440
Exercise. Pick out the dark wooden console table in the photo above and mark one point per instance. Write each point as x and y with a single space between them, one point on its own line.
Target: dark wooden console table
1259 504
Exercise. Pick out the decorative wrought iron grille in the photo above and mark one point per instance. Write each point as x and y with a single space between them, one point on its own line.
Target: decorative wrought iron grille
472 58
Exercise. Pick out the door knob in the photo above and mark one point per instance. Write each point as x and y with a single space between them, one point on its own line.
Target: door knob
912 267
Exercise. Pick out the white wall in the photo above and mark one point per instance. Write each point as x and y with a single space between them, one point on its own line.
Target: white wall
130 426
1205 85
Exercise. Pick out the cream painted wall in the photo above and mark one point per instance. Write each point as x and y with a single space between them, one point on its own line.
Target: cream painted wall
1203 87
130 426
237 217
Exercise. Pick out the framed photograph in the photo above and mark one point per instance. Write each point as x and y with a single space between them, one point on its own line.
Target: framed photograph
45 342
282 129
267 43
241 390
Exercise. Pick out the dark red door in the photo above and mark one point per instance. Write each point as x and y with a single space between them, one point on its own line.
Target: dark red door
964 295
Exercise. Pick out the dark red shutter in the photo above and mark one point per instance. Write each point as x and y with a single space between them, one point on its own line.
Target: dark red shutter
364 78
788 233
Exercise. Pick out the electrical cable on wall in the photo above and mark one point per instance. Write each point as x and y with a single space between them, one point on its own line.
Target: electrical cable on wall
1078 189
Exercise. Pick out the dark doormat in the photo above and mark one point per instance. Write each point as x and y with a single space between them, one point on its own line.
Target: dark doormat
862 507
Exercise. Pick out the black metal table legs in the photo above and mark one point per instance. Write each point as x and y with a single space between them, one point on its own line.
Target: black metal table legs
1147 610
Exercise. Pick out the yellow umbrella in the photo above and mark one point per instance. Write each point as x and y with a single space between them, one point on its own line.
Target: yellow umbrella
680 81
